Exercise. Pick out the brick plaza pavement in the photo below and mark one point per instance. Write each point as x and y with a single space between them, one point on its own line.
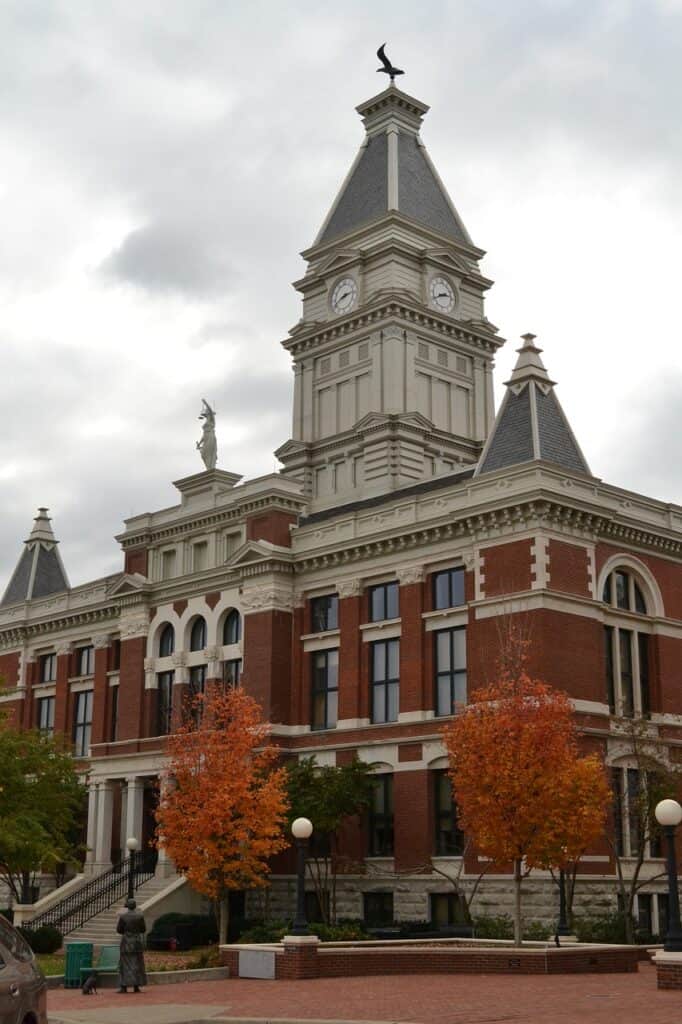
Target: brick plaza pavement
425 999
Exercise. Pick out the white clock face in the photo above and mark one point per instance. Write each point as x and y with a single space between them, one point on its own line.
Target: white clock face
442 294
345 295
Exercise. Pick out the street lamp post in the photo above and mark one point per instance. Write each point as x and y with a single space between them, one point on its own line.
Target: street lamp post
301 829
669 815
131 846
563 927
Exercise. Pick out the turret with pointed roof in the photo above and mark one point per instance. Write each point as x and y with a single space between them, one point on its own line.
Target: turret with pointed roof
40 571
531 423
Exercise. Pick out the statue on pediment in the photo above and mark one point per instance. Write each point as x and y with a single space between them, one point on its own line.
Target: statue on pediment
208 445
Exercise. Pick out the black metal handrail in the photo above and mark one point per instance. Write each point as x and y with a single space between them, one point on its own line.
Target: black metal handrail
97 895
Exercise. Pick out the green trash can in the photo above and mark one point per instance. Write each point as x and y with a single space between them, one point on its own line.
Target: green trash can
78 954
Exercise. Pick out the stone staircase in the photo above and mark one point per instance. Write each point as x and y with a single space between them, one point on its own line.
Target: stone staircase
101 930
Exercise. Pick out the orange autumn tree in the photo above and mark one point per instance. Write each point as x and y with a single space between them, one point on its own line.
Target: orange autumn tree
523 793
223 802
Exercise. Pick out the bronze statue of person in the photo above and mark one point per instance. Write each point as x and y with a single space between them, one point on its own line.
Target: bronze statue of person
131 927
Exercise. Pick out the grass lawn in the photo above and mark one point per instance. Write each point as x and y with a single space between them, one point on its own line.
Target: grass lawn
204 956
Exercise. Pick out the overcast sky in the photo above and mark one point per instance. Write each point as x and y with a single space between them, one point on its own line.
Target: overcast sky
163 163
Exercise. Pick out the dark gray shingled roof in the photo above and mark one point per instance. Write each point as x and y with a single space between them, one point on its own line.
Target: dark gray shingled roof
512 438
39 571
420 195
531 423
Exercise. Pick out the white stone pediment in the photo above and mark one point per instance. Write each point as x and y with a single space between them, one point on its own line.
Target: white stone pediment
257 551
413 419
339 258
129 583
290 448
447 257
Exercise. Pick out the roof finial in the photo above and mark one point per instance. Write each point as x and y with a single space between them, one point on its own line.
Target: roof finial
388 68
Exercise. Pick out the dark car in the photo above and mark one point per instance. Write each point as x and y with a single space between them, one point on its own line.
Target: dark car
23 990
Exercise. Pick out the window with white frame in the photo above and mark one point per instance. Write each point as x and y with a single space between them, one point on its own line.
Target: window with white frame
82 723
627 646
631 808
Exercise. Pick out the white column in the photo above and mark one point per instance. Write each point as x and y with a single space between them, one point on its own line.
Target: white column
164 865
133 819
105 808
92 828
123 823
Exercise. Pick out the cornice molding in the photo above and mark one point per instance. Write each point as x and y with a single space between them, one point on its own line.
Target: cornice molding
18 634
195 522
494 523
318 333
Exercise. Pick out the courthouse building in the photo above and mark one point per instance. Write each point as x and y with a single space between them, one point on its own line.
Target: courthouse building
362 592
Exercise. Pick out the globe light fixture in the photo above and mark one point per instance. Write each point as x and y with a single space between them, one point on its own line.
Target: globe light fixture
669 815
131 846
302 828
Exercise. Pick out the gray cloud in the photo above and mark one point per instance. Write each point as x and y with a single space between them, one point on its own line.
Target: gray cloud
190 151
169 257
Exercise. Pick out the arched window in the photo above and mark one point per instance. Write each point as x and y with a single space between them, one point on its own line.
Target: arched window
232 630
166 641
197 638
621 590
627 646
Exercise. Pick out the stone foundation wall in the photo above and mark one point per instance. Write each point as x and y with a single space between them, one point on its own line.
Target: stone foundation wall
540 896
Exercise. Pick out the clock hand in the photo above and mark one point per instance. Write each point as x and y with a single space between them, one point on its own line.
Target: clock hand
342 297
442 295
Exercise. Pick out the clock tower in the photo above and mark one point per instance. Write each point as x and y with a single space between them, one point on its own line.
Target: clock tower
393 353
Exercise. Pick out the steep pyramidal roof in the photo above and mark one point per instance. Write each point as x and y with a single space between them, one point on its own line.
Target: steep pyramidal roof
531 423
393 172
39 571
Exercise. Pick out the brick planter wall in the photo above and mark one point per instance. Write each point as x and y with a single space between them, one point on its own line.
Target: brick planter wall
345 961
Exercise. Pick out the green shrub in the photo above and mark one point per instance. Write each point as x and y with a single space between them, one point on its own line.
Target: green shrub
501 927
536 931
265 931
46 939
350 931
203 928
607 928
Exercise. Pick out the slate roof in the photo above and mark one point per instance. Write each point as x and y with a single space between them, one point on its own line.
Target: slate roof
531 423
39 571
364 196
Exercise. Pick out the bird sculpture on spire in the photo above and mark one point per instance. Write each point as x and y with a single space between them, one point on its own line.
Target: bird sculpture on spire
387 68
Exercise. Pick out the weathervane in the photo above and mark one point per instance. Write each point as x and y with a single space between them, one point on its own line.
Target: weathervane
388 68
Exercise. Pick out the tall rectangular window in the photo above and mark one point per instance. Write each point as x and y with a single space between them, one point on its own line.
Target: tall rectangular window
385 685
448 588
115 656
384 602
113 720
197 680
232 671
85 661
627 691
449 837
164 703
324 613
325 689
381 818
46 716
451 669
82 725
48 668
610 688
643 651
633 808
